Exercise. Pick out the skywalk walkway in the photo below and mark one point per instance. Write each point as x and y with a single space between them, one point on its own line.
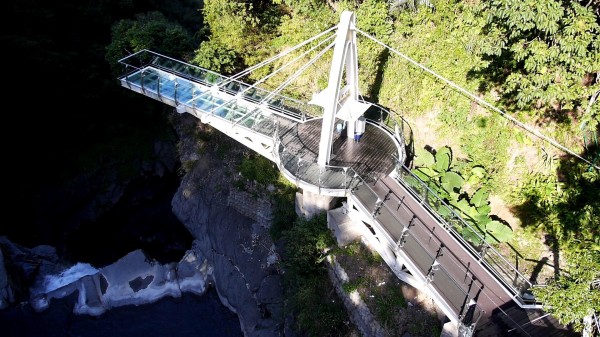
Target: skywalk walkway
476 287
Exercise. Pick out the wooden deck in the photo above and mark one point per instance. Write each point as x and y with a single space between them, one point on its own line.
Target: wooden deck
373 156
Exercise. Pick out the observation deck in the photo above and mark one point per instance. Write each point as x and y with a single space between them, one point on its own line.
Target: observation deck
281 129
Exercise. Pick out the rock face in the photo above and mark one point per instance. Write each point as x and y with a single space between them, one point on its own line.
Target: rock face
21 266
6 293
238 248
232 250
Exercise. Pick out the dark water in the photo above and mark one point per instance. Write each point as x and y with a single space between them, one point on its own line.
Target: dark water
190 315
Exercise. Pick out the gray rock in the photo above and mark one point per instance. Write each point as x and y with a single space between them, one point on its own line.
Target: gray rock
6 293
240 253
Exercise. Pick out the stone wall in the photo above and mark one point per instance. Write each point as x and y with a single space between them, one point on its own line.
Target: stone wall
247 204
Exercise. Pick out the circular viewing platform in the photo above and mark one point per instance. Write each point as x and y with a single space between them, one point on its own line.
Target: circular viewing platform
374 155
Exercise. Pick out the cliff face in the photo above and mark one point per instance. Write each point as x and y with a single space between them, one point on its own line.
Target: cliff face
237 247
234 252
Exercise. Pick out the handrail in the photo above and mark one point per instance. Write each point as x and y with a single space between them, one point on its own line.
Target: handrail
406 135
487 248
393 245
345 178
282 104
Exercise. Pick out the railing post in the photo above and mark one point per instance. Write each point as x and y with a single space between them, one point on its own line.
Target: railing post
405 233
320 180
483 251
466 326
435 266
298 168
378 205
175 90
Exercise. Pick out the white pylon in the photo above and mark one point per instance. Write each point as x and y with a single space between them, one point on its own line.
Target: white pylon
337 101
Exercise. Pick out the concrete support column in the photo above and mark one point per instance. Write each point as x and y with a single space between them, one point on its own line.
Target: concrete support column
309 204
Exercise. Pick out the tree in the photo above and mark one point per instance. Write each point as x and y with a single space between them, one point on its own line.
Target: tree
311 299
564 205
572 295
217 57
544 54
372 17
241 30
566 208
231 23
148 31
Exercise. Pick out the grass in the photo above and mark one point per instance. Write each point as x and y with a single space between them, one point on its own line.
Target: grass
383 293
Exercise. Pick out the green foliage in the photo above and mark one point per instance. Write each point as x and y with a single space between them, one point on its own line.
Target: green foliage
480 197
388 304
451 181
217 57
571 296
284 211
255 167
435 170
353 285
382 294
568 209
312 300
351 249
231 23
305 245
302 7
496 232
444 40
372 17
148 31
440 40
541 53
424 159
299 26
242 29
321 313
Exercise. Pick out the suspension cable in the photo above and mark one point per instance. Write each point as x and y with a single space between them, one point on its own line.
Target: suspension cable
280 55
269 60
298 72
481 101
289 63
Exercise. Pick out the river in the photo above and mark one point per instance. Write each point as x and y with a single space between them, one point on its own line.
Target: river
142 219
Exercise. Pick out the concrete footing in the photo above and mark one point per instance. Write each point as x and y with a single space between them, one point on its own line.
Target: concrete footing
309 204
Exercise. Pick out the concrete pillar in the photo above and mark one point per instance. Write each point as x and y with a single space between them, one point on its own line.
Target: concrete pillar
309 204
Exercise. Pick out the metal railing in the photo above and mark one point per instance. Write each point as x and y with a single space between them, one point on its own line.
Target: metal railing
394 123
145 58
322 177
193 84
495 262
393 244
281 105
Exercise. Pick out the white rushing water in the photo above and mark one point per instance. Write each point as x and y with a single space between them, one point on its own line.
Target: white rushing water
68 276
